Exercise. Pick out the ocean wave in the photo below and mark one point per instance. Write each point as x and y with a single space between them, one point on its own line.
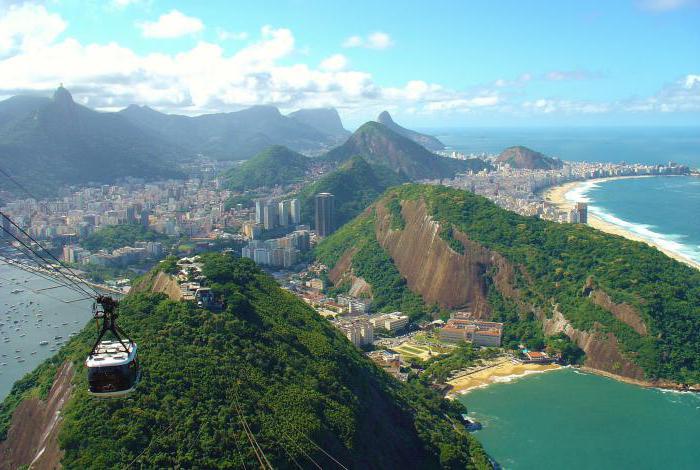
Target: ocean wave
669 242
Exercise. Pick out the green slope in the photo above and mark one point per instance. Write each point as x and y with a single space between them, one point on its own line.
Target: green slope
560 260
380 145
293 375
276 165
355 185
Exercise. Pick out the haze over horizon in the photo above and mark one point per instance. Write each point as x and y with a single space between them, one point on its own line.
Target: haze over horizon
627 63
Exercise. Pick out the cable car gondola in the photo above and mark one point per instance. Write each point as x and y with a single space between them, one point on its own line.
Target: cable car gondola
113 368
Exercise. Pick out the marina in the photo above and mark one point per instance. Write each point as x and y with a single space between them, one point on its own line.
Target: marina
33 326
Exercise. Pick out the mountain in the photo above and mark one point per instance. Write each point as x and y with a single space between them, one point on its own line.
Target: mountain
325 120
380 145
355 185
238 135
427 141
266 362
276 165
46 143
526 159
634 311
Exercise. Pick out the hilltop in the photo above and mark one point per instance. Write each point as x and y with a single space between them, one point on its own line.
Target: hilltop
634 311
427 141
46 143
378 144
325 120
355 185
298 383
527 159
276 165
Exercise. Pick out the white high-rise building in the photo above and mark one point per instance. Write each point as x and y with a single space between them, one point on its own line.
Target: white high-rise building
296 211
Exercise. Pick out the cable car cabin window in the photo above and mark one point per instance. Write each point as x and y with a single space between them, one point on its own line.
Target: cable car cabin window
112 378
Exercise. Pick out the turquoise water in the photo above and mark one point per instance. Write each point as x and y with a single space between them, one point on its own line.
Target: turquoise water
663 210
20 328
566 419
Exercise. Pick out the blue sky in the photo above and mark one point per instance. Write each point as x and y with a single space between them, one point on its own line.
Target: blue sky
436 63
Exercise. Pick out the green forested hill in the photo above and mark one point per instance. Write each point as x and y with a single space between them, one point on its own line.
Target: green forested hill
355 185
378 144
276 165
559 261
298 381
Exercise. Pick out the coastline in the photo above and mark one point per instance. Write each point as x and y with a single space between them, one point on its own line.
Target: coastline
557 196
498 372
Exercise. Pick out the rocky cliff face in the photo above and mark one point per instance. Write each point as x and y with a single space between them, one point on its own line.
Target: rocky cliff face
453 280
32 437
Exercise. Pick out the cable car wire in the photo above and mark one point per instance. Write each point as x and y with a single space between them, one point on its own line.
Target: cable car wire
28 254
48 263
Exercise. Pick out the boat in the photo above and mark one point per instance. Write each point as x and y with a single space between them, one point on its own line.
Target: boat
58 337
43 343
16 291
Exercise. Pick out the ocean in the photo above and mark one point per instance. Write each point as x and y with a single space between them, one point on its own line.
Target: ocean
30 316
647 145
663 210
567 419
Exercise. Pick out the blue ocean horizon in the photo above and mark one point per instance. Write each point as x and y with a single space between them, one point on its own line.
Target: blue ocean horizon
648 145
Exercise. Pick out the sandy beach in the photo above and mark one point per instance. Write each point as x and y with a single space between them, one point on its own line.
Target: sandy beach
503 370
557 196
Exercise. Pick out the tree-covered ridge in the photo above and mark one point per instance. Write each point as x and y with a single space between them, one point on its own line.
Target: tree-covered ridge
525 158
276 165
297 380
355 185
378 144
561 259
116 236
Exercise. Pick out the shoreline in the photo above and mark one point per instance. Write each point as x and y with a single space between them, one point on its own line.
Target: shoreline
557 196
499 372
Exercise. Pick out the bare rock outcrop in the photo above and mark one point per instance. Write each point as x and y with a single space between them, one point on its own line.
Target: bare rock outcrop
33 435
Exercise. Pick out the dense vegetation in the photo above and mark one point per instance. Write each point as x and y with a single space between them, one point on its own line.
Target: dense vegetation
117 236
561 259
276 165
295 378
355 185
372 263
523 157
378 144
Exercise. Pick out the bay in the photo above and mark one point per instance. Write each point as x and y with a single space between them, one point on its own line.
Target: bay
567 419
24 325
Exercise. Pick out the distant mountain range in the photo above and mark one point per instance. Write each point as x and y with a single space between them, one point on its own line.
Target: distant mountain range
380 145
527 159
242 134
427 141
276 165
46 143
49 142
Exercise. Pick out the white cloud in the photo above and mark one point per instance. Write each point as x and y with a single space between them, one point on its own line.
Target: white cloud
26 27
376 40
665 5
122 4
266 70
224 35
566 75
171 25
334 63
